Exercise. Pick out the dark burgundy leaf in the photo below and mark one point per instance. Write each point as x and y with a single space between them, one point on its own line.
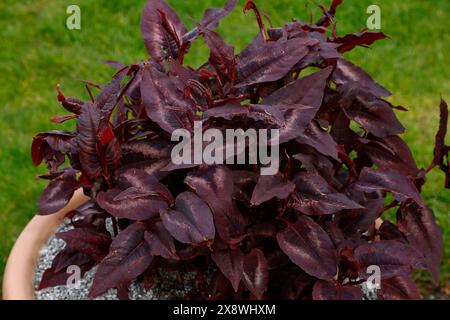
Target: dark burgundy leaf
269 187
316 163
227 112
324 290
402 187
300 100
320 140
163 102
357 222
231 263
391 153
56 141
441 150
222 54
399 288
99 150
272 61
374 115
315 197
129 256
422 232
138 196
58 192
392 257
215 186
268 114
191 221
161 29
88 241
161 242
347 72
211 19
256 273
309 247
365 38
329 15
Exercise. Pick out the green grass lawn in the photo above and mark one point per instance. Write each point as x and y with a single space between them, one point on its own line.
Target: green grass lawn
37 52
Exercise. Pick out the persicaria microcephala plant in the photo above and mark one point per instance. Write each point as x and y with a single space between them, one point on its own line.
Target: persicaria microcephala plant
310 231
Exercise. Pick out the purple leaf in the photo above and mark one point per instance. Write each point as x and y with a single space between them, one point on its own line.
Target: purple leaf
272 61
163 102
58 192
347 72
422 232
256 273
231 263
320 140
191 221
391 153
269 187
138 196
88 241
402 187
315 197
365 38
399 288
161 242
215 186
162 30
309 247
392 257
211 19
129 257
221 56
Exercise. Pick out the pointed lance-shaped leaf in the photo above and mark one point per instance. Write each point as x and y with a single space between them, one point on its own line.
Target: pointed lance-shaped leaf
441 150
215 186
401 287
320 140
402 187
221 54
162 30
164 103
137 196
271 61
315 197
210 20
423 233
256 273
300 100
191 221
129 257
269 187
161 242
364 38
310 248
58 192
346 72
88 241
231 263
391 153
98 148
392 257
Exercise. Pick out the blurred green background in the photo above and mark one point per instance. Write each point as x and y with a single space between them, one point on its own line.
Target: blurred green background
37 52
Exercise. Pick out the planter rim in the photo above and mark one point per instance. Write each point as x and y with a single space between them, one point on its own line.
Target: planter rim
18 279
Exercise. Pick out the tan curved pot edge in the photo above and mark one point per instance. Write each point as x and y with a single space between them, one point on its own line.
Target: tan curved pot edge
18 279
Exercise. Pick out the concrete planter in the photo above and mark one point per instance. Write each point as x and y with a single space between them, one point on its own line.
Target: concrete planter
20 268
